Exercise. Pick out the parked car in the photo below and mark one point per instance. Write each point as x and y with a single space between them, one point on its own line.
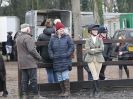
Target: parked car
128 34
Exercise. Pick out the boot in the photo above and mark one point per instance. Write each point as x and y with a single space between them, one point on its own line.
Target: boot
5 93
62 88
120 73
96 88
101 76
92 90
127 72
67 88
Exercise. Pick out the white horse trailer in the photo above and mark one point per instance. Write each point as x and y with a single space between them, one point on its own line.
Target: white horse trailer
8 23
36 17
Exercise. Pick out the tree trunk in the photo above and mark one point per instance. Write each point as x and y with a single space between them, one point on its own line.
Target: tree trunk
76 18
65 4
109 4
122 6
98 12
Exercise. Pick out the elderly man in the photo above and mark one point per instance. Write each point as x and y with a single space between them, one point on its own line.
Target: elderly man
27 58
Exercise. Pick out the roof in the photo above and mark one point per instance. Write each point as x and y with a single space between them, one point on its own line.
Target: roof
49 10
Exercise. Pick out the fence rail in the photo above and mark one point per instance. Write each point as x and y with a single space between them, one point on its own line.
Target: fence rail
80 83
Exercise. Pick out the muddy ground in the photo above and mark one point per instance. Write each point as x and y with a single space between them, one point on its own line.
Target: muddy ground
111 73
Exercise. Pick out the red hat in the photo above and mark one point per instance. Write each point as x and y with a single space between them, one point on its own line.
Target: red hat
59 25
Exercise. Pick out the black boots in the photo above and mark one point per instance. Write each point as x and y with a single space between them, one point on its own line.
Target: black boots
5 93
95 89
65 88
96 86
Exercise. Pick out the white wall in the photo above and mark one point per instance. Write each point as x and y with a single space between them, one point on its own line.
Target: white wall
3 29
8 23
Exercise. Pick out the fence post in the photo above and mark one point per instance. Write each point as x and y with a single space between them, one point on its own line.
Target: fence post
19 83
79 60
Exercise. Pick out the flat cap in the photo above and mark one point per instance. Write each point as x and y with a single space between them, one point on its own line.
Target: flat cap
25 25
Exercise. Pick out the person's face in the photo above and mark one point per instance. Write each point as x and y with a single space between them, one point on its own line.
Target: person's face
28 30
104 34
95 32
60 31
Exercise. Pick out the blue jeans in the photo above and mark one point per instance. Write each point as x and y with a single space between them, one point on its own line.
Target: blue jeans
62 75
29 76
52 77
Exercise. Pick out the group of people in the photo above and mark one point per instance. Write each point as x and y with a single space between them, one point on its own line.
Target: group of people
9 48
97 52
58 52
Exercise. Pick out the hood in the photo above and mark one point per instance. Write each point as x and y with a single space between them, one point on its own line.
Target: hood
49 31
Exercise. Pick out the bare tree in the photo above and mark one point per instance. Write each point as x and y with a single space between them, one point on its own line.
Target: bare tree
98 12
76 18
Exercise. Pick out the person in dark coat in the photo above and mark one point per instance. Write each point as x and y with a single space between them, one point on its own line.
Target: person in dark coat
60 49
15 46
4 48
103 34
45 36
9 45
3 77
122 50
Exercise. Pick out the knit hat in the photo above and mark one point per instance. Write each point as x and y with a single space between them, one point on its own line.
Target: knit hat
59 25
57 20
25 25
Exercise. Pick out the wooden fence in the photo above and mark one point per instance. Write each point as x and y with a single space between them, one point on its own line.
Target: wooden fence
80 83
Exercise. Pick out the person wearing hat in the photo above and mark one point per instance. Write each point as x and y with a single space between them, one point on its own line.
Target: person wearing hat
103 34
60 48
57 20
45 36
9 45
27 58
93 48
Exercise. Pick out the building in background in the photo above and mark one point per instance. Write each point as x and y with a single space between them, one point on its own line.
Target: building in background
8 23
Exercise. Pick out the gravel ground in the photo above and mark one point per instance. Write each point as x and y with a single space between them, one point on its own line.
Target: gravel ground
111 73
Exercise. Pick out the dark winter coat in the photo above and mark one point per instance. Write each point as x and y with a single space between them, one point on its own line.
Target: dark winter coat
2 74
60 50
124 49
107 51
45 36
9 40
